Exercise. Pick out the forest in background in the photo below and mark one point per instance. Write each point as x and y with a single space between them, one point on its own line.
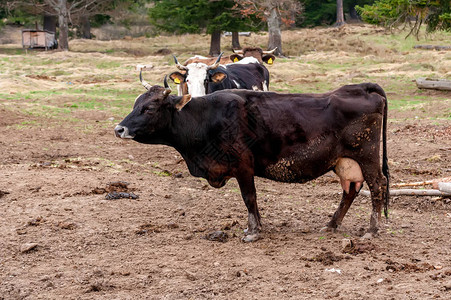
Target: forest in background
77 18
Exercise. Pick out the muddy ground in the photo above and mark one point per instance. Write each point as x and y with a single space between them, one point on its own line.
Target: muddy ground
61 237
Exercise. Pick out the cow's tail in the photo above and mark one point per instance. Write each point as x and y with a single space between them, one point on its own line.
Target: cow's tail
385 158
376 88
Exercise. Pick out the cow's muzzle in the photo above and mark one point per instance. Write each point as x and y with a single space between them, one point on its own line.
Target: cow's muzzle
122 132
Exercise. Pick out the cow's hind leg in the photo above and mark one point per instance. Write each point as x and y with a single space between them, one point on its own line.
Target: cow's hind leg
351 179
345 203
377 184
249 195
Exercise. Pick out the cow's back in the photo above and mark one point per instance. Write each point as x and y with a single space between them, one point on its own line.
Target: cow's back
249 76
290 133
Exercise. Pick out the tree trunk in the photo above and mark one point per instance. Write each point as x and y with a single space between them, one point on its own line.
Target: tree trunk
340 15
236 40
85 27
353 15
275 36
63 43
215 44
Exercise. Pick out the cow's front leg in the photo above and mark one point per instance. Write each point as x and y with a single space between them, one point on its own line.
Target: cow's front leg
247 187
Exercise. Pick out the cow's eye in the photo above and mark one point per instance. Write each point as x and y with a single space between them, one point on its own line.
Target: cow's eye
148 110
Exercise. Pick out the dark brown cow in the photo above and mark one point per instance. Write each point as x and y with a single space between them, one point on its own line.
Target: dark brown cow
283 137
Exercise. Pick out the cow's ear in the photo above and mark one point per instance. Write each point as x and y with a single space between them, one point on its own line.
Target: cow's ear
177 77
235 57
269 59
182 102
218 77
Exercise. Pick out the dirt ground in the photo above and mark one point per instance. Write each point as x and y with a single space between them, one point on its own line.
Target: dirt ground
61 237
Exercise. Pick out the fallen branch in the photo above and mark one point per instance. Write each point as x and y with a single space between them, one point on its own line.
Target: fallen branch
412 192
436 84
432 47
418 183
433 182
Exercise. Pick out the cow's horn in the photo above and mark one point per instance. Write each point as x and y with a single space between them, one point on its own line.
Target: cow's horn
167 90
216 64
270 51
179 65
143 82
239 51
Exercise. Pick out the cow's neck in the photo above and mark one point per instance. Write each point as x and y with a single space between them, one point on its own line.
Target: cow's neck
188 134
186 131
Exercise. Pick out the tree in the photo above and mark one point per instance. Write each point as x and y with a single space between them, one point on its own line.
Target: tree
340 15
236 40
413 13
324 12
194 16
274 13
64 10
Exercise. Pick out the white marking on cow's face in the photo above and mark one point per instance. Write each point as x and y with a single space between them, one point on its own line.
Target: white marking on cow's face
179 90
265 86
237 84
197 73
247 60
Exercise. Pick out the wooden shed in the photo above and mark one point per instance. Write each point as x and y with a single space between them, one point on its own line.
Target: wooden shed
32 38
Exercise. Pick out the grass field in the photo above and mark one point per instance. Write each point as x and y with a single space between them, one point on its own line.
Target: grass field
101 75
62 238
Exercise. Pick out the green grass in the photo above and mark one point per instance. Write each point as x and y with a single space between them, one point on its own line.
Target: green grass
58 73
403 104
108 65
26 124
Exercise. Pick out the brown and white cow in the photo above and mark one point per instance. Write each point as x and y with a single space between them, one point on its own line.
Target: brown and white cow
284 137
197 63
257 52
201 79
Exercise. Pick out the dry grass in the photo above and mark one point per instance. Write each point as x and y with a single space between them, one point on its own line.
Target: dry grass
318 60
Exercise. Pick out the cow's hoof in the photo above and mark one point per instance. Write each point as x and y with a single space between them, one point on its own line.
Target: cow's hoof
328 229
251 238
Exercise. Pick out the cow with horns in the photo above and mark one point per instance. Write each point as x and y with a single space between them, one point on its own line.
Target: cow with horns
290 138
257 52
202 79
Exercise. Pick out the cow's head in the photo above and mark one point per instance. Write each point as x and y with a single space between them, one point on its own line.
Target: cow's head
257 52
197 76
152 113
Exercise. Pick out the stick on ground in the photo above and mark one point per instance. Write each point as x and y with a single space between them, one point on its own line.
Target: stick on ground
412 192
